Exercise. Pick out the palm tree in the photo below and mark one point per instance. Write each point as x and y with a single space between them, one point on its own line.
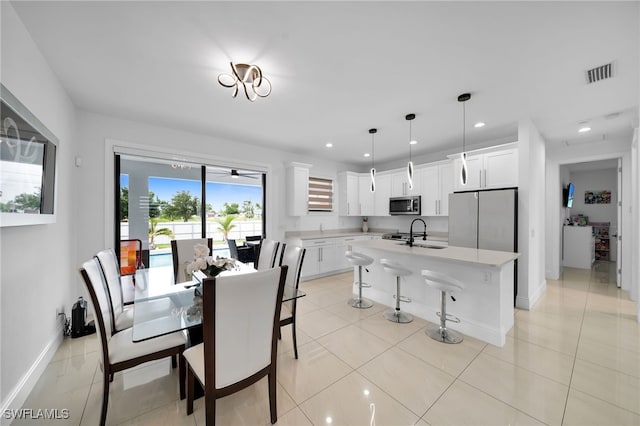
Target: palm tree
225 225
154 232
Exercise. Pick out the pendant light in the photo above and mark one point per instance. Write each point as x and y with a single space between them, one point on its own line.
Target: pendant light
463 157
409 118
372 188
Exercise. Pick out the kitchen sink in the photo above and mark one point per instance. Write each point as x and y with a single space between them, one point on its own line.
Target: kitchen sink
429 246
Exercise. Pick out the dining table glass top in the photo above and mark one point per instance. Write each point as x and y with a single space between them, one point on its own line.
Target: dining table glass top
162 307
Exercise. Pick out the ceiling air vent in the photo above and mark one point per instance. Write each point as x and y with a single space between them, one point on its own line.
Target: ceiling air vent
600 73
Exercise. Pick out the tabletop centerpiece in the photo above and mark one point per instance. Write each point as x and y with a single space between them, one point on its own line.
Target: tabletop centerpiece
210 266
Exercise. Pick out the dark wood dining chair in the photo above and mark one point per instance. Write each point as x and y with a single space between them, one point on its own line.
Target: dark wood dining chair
119 352
182 253
293 256
241 319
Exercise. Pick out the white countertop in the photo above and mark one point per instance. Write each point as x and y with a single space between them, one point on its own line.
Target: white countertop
335 233
454 254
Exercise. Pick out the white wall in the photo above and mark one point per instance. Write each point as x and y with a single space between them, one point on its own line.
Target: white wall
531 214
38 262
99 133
597 180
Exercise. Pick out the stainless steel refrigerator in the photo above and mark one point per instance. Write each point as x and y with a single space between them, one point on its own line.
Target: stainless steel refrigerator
486 220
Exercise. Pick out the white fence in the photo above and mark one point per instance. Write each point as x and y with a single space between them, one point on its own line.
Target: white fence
188 230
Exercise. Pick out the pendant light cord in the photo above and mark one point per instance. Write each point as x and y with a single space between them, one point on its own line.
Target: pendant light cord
463 126
410 140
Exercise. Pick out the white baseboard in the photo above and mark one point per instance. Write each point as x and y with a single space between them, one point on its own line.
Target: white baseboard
526 302
18 395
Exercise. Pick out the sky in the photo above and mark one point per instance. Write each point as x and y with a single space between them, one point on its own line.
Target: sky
217 193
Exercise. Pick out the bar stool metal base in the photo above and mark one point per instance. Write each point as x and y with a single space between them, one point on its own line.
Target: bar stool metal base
360 303
398 316
443 335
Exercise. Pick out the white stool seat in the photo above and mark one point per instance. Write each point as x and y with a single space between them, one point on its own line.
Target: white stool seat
442 282
358 259
394 268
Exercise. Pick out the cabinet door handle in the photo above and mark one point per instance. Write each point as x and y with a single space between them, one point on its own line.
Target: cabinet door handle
436 206
480 177
348 209
485 177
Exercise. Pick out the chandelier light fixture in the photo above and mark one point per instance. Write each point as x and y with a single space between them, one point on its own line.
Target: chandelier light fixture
250 78
409 118
463 157
372 172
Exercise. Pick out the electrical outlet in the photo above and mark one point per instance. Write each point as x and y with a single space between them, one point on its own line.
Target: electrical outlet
487 277
59 313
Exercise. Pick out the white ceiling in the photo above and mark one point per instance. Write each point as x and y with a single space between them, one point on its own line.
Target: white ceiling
340 68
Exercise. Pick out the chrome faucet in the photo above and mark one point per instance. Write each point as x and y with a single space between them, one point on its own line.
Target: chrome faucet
424 233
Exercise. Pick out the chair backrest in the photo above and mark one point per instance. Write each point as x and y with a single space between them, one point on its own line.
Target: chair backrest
94 281
241 320
233 249
182 253
109 265
267 256
253 238
293 256
130 256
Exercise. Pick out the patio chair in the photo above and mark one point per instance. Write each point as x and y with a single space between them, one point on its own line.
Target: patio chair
242 253
119 352
130 257
241 319
182 253
293 256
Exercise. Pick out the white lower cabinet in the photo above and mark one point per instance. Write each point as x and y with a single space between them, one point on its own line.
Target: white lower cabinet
326 256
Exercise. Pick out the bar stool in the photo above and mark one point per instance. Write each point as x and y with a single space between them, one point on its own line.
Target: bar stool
398 270
359 260
445 284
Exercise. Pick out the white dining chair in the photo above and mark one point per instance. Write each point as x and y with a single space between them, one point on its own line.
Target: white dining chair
182 253
122 316
268 254
293 256
241 321
119 352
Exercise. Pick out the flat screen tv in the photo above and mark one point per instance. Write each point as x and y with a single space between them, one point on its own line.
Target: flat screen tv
27 165
567 196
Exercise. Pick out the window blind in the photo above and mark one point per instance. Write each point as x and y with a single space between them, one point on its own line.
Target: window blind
320 195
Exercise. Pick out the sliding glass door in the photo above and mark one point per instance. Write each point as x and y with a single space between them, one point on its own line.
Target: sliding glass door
158 200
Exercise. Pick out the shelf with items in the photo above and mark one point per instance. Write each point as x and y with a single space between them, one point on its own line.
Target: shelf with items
602 242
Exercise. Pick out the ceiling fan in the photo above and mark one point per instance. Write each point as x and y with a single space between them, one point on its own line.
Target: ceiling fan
235 174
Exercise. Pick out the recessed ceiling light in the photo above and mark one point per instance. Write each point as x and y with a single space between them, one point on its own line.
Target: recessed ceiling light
584 129
413 142
328 145
478 124
366 154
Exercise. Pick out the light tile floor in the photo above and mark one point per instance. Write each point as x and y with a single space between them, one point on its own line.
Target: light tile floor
574 359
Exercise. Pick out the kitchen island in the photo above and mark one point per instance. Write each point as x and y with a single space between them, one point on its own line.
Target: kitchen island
485 307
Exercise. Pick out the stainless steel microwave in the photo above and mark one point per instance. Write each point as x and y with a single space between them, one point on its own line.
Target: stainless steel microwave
404 205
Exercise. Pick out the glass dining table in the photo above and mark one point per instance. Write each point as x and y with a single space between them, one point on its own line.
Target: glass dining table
162 307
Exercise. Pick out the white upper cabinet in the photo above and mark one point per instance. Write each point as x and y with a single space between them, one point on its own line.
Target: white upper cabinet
382 194
436 184
348 194
367 201
400 183
490 168
298 189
